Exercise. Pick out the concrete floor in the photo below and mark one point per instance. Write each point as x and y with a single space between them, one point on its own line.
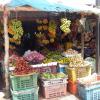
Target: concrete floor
67 97
2 95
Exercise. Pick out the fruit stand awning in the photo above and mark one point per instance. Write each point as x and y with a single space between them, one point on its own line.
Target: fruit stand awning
53 5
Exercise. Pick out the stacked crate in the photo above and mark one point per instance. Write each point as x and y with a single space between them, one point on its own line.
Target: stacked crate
53 88
89 88
24 87
73 74
62 68
72 81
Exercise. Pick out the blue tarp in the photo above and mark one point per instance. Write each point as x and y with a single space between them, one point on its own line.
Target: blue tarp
52 5
40 4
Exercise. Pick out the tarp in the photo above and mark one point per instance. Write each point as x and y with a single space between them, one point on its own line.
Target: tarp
54 5
44 5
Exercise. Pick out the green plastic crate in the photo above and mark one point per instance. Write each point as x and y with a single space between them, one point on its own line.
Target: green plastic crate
23 82
30 94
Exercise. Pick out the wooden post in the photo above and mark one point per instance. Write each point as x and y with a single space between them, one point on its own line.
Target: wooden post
98 46
6 57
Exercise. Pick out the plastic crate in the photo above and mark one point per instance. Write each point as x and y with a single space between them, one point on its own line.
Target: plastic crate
50 82
62 68
90 92
23 82
31 94
78 72
89 87
54 91
72 87
42 68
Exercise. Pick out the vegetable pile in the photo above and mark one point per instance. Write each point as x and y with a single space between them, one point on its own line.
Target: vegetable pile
22 67
33 56
53 76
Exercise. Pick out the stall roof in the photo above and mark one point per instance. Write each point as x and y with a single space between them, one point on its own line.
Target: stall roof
54 5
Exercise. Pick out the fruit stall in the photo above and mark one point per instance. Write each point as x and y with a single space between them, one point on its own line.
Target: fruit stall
44 55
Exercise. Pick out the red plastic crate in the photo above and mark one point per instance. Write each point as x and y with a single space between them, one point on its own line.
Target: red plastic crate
72 87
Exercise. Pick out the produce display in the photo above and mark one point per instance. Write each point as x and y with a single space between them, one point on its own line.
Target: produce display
44 21
16 30
12 60
52 28
42 24
55 56
77 58
22 67
65 25
77 61
92 62
53 76
90 79
79 64
69 52
42 38
33 56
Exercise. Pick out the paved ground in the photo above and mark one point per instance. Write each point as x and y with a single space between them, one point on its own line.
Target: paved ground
68 97
2 95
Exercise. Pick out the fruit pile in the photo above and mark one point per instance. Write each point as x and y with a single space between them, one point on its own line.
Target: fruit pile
22 67
92 79
53 76
70 52
16 30
33 56
65 24
12 60
55 56
42 24
42 21
42 39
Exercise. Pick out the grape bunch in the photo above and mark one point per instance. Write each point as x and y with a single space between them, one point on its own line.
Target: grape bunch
65 24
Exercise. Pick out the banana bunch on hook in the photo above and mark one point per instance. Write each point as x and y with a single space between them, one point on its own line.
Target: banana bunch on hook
65 25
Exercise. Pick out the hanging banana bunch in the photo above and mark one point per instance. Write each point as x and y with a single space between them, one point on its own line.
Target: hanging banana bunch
65 25
16 30
52 29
